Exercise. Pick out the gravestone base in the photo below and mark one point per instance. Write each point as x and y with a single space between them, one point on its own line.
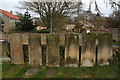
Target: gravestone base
105 63
52 65
71 65
7 59
87 63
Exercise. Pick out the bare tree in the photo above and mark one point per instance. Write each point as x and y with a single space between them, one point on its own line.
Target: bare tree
51 13
114 20
114 5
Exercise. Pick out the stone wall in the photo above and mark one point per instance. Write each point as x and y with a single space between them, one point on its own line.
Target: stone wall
77 49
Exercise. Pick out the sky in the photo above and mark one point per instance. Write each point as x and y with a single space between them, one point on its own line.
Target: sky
11 5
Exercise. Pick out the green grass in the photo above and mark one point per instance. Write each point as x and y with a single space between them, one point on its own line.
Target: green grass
79 72
13 71
116 43
17 71
40 73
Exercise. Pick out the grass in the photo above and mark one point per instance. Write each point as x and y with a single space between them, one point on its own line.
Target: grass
116 43
13 71
17 71
79 72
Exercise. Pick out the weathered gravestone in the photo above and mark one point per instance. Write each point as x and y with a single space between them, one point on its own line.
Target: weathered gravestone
16 48
88 50
53 50
71 50
104 48
35 53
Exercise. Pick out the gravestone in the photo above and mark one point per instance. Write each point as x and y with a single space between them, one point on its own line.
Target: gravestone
71 50
104 48
88 50
16 48
53 50
35 53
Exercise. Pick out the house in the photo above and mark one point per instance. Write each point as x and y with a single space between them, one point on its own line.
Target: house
69 26
7 20
41 27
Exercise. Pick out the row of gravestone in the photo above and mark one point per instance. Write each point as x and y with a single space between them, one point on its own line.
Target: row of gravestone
80 49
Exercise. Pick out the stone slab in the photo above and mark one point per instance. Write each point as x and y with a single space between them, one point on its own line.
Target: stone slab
35 53
53 50
104 48
88 50
72 50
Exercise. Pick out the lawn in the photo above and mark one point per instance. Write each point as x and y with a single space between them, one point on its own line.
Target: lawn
18 71
13 71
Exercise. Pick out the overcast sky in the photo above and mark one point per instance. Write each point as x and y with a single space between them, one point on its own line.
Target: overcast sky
10 5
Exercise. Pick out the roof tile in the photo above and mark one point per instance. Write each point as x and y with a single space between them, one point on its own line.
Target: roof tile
9 14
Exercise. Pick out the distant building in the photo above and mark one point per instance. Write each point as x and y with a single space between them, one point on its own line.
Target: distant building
41 27
7 21
70 26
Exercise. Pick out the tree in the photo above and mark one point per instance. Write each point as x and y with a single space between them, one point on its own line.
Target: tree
114 20
26 23
52 13
114 4
98 21
19 14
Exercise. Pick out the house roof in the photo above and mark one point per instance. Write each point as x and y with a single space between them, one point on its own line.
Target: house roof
9 14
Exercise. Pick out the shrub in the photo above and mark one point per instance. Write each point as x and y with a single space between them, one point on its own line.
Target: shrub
115 60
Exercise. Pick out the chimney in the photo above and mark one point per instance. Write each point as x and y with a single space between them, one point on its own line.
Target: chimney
11 12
